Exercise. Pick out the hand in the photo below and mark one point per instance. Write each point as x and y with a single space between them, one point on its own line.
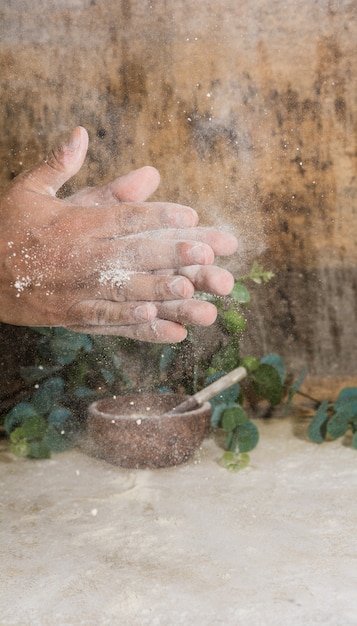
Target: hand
103 260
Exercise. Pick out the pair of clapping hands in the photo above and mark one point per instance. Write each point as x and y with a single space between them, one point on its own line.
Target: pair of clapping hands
105 261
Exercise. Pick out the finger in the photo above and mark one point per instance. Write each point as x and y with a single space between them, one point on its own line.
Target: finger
193 312
166 285
136 186
115 258
221 242
121 220
211 279
107 313
143 287
102 268
158 331
64 161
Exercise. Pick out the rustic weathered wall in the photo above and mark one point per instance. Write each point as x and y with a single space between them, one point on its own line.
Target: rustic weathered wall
249 111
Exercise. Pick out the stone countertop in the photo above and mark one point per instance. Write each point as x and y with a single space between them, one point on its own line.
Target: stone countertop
86 542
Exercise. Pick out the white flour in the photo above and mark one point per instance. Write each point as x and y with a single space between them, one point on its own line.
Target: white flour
114 275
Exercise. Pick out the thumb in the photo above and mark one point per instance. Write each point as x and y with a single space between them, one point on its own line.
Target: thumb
64 161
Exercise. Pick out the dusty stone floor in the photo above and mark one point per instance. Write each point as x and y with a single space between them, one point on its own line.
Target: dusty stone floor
85 542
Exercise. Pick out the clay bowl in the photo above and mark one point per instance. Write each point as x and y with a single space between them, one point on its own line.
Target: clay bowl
133 431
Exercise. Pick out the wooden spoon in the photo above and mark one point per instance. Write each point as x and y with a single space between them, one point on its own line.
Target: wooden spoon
208 392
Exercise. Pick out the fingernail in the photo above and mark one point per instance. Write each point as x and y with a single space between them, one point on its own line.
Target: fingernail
198 254
183 217
73 140
145 312
180 288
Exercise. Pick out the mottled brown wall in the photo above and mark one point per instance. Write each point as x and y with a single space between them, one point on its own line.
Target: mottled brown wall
249 111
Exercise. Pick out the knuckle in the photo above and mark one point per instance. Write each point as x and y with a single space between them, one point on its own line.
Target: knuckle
101 314
55 158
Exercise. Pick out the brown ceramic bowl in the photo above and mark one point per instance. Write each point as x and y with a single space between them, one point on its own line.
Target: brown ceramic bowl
133 430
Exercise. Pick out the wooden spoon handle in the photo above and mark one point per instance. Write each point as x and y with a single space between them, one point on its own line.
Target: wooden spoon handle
208 392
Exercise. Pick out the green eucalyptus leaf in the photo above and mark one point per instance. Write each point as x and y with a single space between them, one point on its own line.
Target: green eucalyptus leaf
20 448
227 396
347 407
47 331
44 350
57 441
317 428
35 373
17 435
228 458
77 374
117 362
127 381
84 392
244 459
212 377
86 342
345 413
354 441
233 416
258 275
164 389
231 442
108 375
217 413
65 345
18 414
59 415
348 394
267 383
233 321
247 436
48 394
277 362
227 358
39 450
167 355
34 427
234 461
240 293
251 363
339 422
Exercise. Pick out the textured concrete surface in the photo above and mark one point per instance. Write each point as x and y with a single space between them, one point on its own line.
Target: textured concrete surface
88 543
